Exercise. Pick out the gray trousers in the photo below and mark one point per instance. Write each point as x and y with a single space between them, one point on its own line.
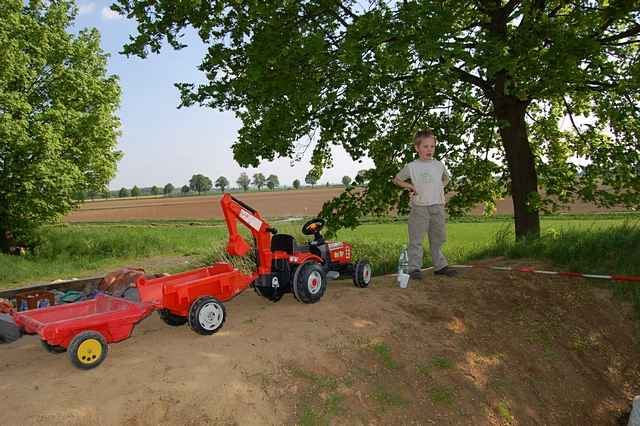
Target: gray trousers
427 220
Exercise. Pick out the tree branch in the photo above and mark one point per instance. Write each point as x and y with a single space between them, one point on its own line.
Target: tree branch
628 33
347 11
473 79
573 123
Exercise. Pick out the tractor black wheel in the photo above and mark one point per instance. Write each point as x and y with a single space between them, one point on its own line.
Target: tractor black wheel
171 319
54 349
206 315
309 282
88 349
362 273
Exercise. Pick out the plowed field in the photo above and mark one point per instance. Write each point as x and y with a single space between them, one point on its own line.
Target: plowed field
306 202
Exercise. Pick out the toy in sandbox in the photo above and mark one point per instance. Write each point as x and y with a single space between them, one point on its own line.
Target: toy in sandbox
84 329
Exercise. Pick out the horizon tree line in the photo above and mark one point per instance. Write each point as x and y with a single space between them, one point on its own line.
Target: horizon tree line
202 184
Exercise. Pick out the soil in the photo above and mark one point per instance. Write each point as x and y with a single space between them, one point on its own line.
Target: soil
484 348
270 204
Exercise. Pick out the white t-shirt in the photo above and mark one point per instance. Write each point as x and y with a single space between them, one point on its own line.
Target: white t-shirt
426 177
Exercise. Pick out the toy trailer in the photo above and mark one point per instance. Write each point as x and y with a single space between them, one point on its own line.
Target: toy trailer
85 328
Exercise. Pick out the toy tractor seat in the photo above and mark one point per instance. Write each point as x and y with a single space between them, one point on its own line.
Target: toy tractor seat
286 243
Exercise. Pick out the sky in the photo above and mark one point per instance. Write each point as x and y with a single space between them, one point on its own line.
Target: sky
162 144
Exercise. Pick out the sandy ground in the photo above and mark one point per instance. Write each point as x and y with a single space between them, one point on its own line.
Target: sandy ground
269 204
485 348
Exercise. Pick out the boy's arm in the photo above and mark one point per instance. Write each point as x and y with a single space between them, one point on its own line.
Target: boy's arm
445 176
401 179
404 184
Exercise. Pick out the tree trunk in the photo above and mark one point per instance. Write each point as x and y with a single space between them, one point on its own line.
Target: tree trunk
524 180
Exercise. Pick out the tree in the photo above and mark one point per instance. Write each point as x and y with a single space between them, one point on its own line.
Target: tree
243 181
185 189
273 182
346 180
200 183
106 193
155 190
493 78
311 179
259 180
296 184
135 191
168 189
58 123
124 192
222 183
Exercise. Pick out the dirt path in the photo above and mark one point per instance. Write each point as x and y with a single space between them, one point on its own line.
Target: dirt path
486 348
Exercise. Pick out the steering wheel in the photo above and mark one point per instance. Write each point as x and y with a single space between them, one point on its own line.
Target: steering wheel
313 226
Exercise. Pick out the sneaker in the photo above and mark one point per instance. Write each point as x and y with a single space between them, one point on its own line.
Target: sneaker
446 271
416 274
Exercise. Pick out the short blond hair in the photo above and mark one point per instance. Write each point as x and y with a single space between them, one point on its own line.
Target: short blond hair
423 134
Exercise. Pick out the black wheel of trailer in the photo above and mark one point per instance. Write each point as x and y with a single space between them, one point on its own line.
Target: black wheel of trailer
88 349
309 282
362 273
171 319
54 349
9 331
207 315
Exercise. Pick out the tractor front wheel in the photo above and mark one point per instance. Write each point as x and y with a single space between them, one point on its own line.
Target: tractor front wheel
309 282
206 315
362 273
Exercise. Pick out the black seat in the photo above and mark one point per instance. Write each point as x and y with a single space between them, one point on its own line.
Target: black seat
283 242
286 243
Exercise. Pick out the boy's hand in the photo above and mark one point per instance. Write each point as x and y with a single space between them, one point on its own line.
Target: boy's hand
412 192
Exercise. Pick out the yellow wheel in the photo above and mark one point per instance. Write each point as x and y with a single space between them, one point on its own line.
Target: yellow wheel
88 349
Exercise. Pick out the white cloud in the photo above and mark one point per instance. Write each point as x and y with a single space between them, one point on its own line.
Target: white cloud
86 9
110 14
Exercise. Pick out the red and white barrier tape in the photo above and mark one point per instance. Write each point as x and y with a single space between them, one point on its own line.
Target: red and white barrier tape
635 278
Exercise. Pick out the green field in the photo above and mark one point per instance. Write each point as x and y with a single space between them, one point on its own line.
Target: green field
89 249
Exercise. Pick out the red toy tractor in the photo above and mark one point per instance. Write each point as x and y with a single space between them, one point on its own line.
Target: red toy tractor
285 266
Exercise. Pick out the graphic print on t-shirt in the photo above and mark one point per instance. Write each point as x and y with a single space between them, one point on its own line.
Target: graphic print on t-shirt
426 177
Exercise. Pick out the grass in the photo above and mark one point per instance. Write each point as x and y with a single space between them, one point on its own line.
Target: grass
315 411
595 248
440 362
441 395
384 352
331 407
598 244
317 381
387 398
505 412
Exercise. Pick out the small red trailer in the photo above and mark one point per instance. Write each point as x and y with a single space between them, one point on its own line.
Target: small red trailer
84 328
196 297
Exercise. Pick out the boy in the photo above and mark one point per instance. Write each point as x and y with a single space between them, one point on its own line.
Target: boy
428 179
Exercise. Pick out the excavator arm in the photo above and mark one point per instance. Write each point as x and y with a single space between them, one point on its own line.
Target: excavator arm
235 210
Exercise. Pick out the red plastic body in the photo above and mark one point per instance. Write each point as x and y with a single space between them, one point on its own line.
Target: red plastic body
177 292
340 252
112 317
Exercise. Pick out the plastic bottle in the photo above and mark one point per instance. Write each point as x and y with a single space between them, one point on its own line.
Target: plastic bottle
403 261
